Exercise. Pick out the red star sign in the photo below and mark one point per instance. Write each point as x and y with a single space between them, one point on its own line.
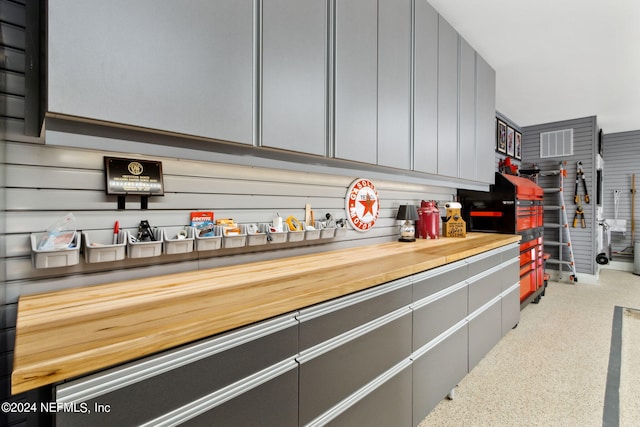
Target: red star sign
368 205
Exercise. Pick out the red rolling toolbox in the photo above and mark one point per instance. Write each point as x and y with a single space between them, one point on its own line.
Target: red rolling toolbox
512 206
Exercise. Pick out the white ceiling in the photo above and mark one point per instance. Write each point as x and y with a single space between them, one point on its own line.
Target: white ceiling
557 59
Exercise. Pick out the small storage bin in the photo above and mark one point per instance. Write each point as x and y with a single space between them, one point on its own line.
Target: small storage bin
295 236
49 258
99 246
254 237
273 236
145 249
178 240
208 243
234 241
312 234
340 232
325 232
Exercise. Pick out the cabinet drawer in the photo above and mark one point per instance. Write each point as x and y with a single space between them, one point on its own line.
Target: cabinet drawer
432 318
510 304
430 282
509 274
273 403
327 320
483 262
438 371
485 330
328 377
387 405
483 289
144 390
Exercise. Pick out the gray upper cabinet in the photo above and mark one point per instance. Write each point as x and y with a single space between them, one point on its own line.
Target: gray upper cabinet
155 64
467 111
356 80
425 115
294 75
447 99
394 83
485 120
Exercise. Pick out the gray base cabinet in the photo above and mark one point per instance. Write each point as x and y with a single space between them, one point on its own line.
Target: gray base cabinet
485 330
204 380
437 371
388 405
384 356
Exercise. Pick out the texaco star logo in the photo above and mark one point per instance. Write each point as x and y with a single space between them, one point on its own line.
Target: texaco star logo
362 204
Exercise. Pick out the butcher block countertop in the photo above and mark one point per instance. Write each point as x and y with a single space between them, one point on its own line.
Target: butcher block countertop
69 333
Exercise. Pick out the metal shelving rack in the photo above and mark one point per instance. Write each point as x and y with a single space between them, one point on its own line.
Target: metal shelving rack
564 236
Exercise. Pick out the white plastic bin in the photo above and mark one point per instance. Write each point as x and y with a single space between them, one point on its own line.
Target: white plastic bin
273 236
234 241
145 249
178 240
255 236
99 246
325 232
44 258
208 243
311 234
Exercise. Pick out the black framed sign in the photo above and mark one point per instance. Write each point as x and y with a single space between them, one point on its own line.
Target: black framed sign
501 135
518 154
131 176
510 141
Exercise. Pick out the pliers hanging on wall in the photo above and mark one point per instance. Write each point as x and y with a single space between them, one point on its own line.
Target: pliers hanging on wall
580 176
579 216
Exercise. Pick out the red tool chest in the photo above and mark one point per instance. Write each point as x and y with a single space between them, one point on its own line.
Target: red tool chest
512 206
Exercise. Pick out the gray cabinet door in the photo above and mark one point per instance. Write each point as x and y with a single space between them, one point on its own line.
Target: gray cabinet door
510 308
177 67
485 330
447 99
294 75
438 315
356 80
388 405
437 371
485 120
467 111
203 375
394 83
330 373
425 116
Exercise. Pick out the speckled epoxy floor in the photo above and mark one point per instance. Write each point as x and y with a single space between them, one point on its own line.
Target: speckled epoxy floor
552 369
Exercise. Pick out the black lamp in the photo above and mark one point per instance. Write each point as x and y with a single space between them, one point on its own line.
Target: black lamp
407 213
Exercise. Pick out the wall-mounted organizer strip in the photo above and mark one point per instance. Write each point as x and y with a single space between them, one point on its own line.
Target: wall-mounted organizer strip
99 246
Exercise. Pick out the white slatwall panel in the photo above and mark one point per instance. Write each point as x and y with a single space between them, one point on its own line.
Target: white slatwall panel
621 160
45 182
584 140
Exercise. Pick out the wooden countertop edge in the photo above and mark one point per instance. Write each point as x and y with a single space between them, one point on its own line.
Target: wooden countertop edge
64 334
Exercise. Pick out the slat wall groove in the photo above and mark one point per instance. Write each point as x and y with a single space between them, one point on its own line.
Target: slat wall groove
621 160
584 137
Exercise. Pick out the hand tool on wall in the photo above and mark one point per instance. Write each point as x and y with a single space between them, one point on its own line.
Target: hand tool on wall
633 210
579 216
308 215
580 176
